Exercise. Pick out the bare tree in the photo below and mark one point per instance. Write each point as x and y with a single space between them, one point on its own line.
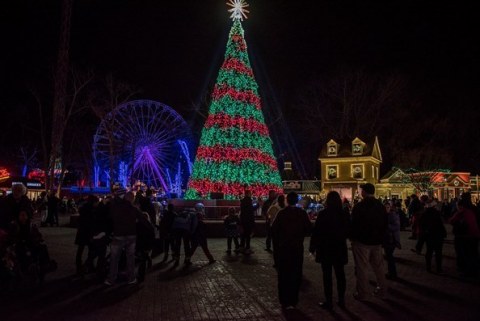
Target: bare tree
349 104
423 180
344 105
60 112
112 94
28 157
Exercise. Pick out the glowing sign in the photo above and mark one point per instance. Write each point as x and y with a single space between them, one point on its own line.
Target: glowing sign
4 174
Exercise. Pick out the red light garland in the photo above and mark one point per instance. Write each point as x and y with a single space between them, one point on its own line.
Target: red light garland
225 121
248 96
235 155
237 65
239 42
235 189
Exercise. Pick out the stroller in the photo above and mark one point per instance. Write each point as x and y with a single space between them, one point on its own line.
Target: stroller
24 262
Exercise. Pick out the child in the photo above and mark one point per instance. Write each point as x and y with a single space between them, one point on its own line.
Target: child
199 236
232 223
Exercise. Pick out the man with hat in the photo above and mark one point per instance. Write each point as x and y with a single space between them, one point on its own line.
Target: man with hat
369 223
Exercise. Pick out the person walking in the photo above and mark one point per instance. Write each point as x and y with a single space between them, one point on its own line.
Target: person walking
53 204
288 231
369 222
278 205
124 216
247 220
85 234
166 233
199 236
232 223
272 195
329 245
184 224
434 232
392 239
467 234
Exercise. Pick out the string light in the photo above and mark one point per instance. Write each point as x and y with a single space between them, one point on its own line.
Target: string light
235 151
238 10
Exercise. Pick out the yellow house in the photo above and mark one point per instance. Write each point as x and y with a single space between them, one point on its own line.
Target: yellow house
394 185
346 165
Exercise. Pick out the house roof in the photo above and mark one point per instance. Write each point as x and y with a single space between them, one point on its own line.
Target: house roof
345 148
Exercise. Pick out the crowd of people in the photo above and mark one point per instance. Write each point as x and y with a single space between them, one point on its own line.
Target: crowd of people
123 231
23 252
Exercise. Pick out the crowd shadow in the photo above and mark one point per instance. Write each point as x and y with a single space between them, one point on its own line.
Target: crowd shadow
65 297
296 315
433 293
404 310
174 272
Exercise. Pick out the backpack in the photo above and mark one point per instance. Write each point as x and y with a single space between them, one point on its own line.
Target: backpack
182 221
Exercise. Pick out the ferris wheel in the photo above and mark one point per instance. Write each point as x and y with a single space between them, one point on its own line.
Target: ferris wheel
146 141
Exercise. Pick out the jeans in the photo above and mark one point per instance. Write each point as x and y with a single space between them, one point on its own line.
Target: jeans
434 246
118 244
179 236
328 282
235 241
268 241
365 255
203 244
246 235
392 268
290 269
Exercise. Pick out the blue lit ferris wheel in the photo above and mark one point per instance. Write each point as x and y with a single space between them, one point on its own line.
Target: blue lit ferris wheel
144 141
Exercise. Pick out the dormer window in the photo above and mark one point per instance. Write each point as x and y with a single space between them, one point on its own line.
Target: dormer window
332 148
357 149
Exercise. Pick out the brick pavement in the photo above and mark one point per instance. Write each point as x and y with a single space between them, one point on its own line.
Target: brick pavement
237 287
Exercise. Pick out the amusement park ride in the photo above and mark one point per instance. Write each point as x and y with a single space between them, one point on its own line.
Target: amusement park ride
146 143
143 143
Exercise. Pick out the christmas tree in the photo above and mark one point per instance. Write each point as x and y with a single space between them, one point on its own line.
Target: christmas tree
235 152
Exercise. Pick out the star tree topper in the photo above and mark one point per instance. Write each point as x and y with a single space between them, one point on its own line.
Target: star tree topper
238 10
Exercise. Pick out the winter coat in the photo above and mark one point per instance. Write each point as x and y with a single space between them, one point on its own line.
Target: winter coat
431 225
329 237
467 218
85 224
369 222
392 233
231 223
289 230
124 217
247 212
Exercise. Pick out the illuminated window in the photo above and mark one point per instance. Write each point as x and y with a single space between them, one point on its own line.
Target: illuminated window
357 171
332 171
332 148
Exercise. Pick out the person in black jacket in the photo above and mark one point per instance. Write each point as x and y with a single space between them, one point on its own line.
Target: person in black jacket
288 232
166 230
199 236
247 220
272 195
11 205
369 223
433 231
329 244
85 233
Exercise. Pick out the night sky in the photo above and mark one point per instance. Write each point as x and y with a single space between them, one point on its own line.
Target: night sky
172 51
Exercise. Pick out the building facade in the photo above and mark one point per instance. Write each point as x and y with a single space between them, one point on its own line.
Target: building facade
345 165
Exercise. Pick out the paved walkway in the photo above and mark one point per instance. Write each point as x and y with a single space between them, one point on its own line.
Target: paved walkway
237 287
